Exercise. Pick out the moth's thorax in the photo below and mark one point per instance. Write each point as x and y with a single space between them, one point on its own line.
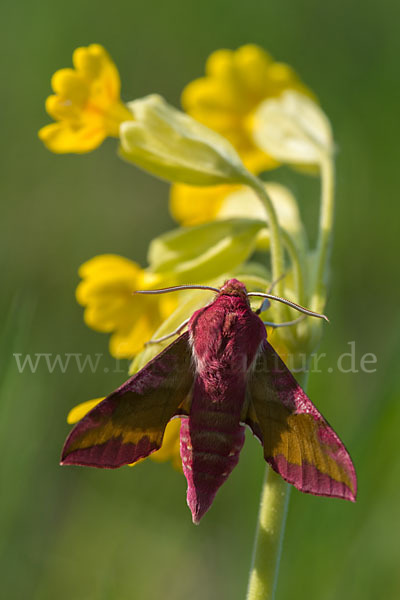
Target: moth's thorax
226 334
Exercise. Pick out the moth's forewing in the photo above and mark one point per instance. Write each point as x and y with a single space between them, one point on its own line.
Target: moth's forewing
129 424
298 442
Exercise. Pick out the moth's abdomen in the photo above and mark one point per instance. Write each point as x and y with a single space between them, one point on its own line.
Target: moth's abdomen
225 337
210 446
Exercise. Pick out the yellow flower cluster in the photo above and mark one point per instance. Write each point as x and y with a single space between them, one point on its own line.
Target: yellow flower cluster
86 103
235 84
213 142
111 306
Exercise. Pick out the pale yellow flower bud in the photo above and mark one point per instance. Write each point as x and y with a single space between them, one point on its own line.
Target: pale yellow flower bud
293 129
173 146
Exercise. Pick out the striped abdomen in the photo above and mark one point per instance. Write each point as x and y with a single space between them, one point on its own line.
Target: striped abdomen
211 440
225 337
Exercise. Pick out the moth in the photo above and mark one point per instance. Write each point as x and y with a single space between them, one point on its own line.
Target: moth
218 376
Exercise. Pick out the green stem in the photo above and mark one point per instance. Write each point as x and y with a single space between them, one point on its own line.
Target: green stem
296 265
325 232
290 336
269 535
277 258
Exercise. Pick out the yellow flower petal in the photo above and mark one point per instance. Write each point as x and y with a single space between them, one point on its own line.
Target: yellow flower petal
61 110
294 129
94 63
79 411
192 205
71 86
86 103
168 303
108 263
236 82
170 449
107 293
61 138
126 343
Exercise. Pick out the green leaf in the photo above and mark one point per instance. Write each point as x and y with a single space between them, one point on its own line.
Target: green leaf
200 253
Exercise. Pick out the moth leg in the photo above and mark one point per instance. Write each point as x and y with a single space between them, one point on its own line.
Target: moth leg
285 324
166 337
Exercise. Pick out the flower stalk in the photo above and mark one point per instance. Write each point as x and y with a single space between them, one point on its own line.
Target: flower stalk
325 232
276 492
269 536
297 267
277 258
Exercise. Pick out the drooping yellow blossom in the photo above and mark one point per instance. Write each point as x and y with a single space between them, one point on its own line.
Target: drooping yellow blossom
169 450
86 103
170 144
226 99
106 292
193 205
293 129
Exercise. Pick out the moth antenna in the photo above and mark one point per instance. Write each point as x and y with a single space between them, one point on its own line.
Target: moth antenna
301 309
177 288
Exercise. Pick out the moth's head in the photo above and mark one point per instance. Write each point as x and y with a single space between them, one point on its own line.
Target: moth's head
233 287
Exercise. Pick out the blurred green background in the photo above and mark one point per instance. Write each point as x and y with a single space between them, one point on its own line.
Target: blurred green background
93 535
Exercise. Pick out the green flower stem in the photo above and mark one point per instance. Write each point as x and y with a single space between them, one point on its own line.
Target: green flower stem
269 537
269 534
325 232
297 266
277 258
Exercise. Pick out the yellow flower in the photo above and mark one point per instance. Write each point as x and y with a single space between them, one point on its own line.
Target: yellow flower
78 412
106 292
86 103
170 449
293 129
194 206
226 99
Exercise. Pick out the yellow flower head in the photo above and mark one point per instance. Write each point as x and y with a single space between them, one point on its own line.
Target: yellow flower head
226 99
106 292
170 449
86 103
